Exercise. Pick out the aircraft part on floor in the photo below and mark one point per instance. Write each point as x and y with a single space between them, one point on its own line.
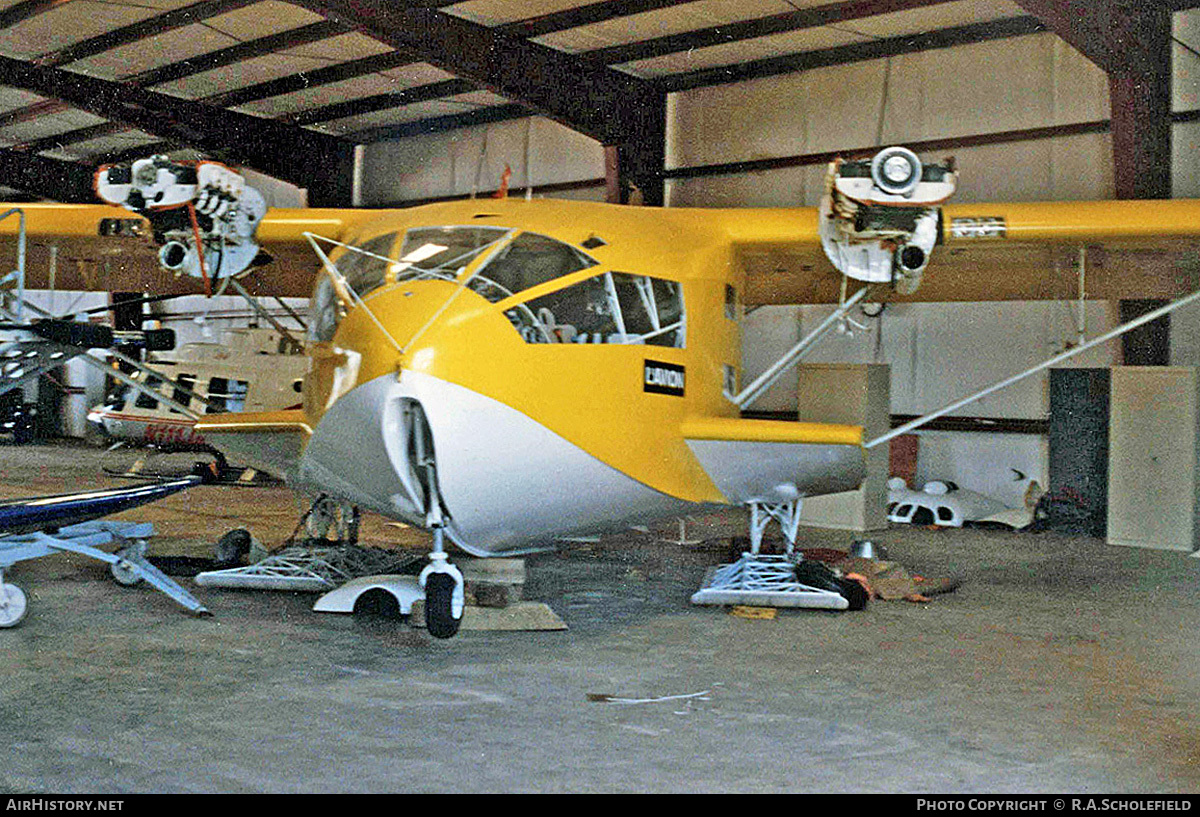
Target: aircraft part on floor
128 565
307 569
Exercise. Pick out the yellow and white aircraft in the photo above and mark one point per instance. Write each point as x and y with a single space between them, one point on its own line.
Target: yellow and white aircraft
509 373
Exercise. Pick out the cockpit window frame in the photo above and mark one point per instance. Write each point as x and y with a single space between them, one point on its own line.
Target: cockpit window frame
636 299
525 303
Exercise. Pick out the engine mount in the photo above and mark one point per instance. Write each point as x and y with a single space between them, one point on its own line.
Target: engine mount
204 215
879 217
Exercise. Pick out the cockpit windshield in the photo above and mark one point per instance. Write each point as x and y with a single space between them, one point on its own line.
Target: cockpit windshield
529 260
608 307
444 252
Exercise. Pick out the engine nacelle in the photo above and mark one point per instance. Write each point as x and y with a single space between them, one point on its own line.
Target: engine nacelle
184 200
879 218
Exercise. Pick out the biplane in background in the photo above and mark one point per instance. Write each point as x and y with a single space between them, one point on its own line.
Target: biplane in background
510 373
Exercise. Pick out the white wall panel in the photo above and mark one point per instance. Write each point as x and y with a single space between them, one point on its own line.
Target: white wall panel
450 164
1012 84
1185 80
787 187
1072 168
984 462
939 353
1185 160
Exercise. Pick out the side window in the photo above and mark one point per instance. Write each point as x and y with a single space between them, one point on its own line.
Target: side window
145 401
530 259
324 311
188 381
615 307
731 311
226 395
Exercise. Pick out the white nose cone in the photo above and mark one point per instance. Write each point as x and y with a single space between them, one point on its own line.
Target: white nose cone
897 169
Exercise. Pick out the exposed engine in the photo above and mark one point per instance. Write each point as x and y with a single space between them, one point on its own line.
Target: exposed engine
879 217
204 215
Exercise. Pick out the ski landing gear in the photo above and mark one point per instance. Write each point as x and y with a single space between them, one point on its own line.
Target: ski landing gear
761 580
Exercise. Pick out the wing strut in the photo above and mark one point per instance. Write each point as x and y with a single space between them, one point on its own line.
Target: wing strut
1059 358
792 356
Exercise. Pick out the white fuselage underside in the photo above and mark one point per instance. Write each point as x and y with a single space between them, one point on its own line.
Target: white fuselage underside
510 484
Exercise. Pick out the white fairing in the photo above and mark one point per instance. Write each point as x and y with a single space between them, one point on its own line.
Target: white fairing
950 507
404 589
509 484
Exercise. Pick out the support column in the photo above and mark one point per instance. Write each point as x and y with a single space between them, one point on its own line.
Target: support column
639 160
1141 144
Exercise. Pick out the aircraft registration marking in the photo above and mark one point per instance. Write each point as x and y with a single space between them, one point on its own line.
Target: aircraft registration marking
663 378
978 227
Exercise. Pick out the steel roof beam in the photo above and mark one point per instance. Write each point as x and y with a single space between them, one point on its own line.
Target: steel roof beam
439 124
47 178
753 28
21 12
582 16
340 72
291 38
263 144
594 100
1109 34
177 18
381 102
1131 43
261 46
857 52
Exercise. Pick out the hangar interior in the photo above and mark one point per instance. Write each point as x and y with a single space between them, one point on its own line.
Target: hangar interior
709 103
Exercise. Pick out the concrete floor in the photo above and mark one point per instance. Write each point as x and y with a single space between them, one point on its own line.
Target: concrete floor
1061 664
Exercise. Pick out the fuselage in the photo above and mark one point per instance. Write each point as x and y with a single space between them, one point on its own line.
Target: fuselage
545 356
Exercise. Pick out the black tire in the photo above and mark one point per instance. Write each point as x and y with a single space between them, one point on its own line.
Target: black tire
439 600
233 548
815 574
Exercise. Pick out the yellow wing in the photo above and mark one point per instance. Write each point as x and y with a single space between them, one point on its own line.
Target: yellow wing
100 247
1009 251
1002 251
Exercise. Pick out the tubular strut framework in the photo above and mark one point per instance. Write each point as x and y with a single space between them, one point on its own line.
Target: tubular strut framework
761 580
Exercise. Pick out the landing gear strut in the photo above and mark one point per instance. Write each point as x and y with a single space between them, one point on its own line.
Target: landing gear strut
443 585
441 581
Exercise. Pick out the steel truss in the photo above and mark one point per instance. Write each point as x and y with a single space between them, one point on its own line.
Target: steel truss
761 580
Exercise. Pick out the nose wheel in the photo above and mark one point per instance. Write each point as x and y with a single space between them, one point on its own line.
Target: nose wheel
444 597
